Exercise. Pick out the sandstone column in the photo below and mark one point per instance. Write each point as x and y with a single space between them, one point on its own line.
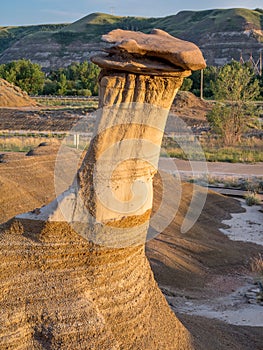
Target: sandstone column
74 274
139 79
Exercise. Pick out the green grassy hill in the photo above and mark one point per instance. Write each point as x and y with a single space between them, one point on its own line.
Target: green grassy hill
185 24
10 35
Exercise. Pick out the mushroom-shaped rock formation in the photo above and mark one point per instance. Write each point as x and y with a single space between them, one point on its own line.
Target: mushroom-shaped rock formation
155 53
74 273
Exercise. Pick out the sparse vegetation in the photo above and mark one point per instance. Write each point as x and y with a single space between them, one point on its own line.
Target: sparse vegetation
246 152
26 142
257 268
68 102
257 264
237 154
252 199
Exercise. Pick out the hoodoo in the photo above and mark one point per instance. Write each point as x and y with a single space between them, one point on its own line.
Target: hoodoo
74 273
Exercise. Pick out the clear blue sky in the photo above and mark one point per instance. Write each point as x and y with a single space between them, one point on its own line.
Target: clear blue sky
23 12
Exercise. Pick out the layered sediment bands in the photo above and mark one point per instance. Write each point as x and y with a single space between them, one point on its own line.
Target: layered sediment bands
126 148
59 291
74 273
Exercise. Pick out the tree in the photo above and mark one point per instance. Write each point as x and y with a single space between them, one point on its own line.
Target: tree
209 74
62 84
76 79
234 112
187 84
50 87
25 74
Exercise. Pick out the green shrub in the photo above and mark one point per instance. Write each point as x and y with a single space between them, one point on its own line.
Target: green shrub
252 199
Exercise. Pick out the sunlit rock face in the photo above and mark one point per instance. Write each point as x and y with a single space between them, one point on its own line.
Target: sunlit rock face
74 273
140 76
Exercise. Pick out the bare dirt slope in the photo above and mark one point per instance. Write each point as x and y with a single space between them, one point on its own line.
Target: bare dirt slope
188 263
190 108
26 182
13 96
37 119
187 101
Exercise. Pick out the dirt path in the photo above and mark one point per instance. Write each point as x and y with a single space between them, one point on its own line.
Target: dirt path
215 168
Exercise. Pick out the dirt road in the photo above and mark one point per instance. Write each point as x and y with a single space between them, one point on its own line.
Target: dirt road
215 168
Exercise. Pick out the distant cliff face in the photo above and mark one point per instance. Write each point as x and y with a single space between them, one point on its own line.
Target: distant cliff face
222 35
49 54
221 47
